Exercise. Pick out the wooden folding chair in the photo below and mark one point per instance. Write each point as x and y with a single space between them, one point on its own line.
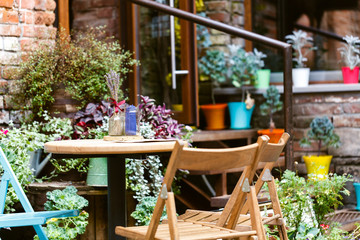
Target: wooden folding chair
29 217
268 158
204 160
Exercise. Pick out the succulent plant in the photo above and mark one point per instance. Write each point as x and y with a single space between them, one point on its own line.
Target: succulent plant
321 131
271 105
299 41
350 51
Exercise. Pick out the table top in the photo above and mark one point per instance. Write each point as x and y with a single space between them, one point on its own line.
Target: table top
95 146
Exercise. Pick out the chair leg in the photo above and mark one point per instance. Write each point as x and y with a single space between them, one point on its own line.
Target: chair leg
255 216
171 212
277 210
40 232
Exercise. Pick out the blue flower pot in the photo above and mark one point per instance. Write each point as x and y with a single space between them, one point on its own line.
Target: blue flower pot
357 192
240 117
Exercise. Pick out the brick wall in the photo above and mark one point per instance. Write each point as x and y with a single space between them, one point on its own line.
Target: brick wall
344 111
229 12
23 25
95 13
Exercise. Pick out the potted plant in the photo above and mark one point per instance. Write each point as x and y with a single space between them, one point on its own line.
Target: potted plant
71 68
322 132
350 55
242 69
271 105
302 45
213 67
262 75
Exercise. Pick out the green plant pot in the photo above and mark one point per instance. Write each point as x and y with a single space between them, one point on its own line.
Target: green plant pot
97 173
263 78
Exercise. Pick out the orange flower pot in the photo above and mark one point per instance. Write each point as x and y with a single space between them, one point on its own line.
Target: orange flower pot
214 116
274 135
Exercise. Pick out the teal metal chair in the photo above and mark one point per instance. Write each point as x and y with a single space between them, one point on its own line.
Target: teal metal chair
29 217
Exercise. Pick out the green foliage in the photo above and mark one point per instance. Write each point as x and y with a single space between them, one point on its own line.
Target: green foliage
321 131
272 104
144 211
304 203
66 228
237 67
80 64
213 66
17 143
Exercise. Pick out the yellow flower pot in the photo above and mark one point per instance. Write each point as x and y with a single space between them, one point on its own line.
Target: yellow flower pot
317 166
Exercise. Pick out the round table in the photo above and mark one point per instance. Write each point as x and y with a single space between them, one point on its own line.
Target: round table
116 152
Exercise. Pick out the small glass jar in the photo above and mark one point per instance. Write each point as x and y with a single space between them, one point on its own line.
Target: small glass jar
117 124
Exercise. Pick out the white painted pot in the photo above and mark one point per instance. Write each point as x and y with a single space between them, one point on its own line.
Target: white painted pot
301 77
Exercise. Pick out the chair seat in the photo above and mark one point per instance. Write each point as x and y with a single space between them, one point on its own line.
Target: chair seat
187 230
33 218
243 222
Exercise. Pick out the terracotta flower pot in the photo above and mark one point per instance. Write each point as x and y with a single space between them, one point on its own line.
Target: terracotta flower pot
317 166
350 76
214 116
274 135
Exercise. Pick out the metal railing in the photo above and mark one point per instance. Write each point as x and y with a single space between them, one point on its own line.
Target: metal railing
284 47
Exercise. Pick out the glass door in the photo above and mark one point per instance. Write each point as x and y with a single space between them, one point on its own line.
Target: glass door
166 48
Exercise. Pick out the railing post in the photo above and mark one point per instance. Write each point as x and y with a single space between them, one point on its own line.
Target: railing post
288 103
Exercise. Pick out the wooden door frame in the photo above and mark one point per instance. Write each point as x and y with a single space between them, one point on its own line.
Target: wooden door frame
189 82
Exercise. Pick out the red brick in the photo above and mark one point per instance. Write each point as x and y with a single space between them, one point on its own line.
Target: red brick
29 18
10 30
10 73
105 12
351 120
43 32
28 31
28 4
103 3
221 17
49 18
351 108
317 109
39 18
9 16
308 99
81 5
50 5
217 6
40 5
28 44
6 3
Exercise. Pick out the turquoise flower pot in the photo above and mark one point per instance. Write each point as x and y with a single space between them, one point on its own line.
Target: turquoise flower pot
357 192
240 117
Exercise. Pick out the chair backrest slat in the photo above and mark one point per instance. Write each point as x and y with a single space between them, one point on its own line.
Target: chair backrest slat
211 159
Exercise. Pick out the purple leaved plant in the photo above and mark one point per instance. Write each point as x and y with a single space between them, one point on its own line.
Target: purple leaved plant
160 118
